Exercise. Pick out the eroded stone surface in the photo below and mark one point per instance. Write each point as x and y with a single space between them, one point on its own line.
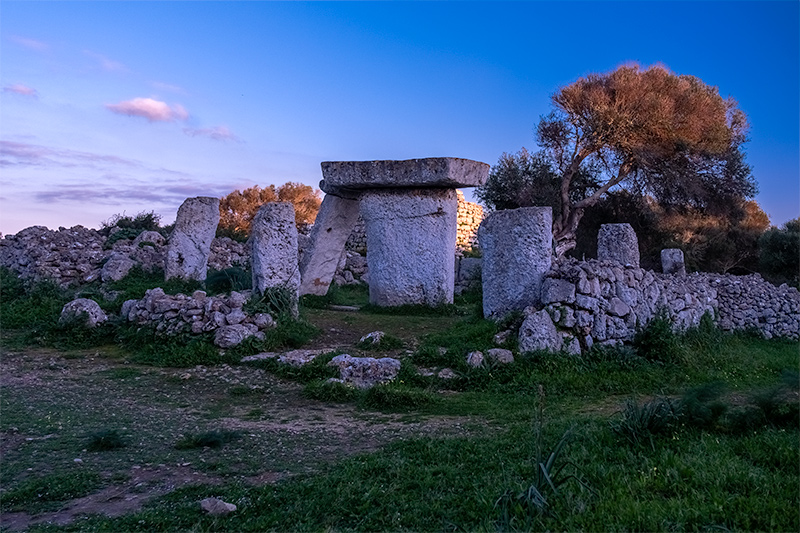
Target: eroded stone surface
445 172
672 261
517 251
93 314
411 239
273 241
335 221
189 244
539 333
618 242
365 372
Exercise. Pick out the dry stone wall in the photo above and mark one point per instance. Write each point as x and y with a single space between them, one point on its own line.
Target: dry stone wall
603 302
78 255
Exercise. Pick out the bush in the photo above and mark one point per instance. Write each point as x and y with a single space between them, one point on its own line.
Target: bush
330 391
657 341
105 440
209 439
230 279
641 422
395 397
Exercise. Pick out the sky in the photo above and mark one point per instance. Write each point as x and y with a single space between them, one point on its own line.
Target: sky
126 107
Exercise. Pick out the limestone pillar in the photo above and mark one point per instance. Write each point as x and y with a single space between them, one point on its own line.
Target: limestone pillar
273 249
335 220
672 261
189 244
411 244
618 242
517 247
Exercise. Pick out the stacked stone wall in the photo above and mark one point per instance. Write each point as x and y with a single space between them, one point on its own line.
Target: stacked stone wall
604 302
78 255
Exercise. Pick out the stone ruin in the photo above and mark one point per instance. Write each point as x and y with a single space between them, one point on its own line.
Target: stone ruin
190 242
409 210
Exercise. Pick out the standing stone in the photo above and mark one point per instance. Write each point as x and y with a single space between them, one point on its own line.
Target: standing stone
335 221
411 243
618 242
273 241
190 242
672 261
517 252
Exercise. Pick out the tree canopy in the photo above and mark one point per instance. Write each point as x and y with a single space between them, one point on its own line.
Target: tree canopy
652 131
237 209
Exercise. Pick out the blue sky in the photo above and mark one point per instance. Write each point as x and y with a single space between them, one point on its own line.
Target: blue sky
112 107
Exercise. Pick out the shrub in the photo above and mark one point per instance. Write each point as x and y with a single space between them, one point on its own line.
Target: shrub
105 440
700 407
230 279
144 221
209 439
779 253
330 391
657 341
395 397
641 422
47 492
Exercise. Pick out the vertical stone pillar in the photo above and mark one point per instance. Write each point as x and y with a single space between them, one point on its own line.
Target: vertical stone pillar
672 261
273 249
335 221
411 243
517 247
618 242
189 244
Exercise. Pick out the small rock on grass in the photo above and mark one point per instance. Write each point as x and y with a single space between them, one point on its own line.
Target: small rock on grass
475 359
216 507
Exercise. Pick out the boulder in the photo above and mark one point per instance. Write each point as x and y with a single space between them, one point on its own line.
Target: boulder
229 336
117 267
75 309
365 372
672 261
216 507
618 242
475 359
500 355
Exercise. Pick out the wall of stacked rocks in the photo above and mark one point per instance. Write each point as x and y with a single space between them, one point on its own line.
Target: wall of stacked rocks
589 302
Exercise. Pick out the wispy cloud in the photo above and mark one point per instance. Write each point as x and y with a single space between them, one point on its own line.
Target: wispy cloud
152 110
109 65
31 44
19 154
21 89
216 133
168 87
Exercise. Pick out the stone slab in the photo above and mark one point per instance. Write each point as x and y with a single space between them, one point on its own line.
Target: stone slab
618 242
189 244
411 243
517 252
273 241
335 221
445 172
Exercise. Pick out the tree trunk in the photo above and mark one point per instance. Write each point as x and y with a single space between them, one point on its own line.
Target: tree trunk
564 235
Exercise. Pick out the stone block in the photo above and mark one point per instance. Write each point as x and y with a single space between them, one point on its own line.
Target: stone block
539 333
618 242
557 290
273 241
189 244
411 241
445 172
672 261
335 221
517 252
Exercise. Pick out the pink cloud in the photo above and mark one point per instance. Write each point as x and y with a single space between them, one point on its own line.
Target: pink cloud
152 110
18 88
31 44
105 63
217 133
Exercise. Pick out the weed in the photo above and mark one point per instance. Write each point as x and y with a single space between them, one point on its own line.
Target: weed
277 301
105 440
209 439
386 342
700 407
640 423
149 347
330 391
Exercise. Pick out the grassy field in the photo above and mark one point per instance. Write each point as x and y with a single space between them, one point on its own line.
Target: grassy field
691 432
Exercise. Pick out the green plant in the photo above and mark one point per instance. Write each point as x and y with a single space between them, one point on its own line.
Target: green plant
657 341
523 508
396 397
386 342
230 279
209 439
642 422
105 440
700 407
330 391
279 301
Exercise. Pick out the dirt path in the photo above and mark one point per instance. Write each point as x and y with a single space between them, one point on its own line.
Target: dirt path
53 402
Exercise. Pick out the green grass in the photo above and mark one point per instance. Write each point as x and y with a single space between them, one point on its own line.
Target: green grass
49 492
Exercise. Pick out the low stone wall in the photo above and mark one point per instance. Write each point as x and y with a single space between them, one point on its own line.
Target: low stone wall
604 302
198 313
78 255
